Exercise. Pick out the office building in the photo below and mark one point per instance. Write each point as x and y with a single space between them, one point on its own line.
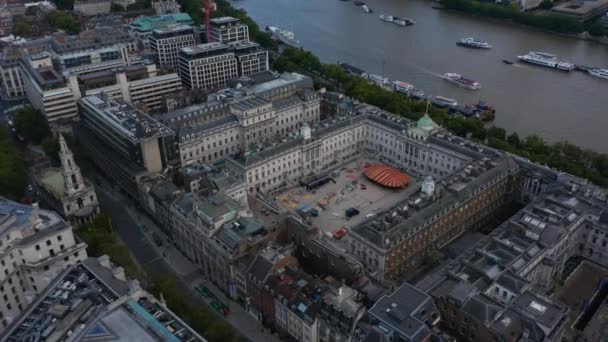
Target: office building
207 66
123 141
251 58
47 90
228 30
10 71
93 300
166 42
37 245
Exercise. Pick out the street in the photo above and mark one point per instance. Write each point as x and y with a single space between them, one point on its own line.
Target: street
126 221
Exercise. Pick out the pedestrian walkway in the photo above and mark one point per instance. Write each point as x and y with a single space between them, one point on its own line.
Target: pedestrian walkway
190 273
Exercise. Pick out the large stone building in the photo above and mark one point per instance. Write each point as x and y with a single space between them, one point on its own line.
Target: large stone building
264 112
65 190
36 246
91 8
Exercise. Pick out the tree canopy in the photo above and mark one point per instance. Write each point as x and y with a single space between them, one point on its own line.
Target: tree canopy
21 28
13 171
63 21
31 124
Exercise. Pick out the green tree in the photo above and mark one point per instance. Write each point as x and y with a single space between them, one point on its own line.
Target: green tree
13 171
546 5
66 5
117 7
31 124
497 133
21 28
50 145
514 140
63 21
596 29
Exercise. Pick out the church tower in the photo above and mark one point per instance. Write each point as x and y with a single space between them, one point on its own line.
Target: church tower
71 172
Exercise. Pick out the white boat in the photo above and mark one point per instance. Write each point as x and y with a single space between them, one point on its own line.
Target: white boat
546 59
442 101
461 81
386 17
377 79
473 43
602 73
399 21
366 9
284 36
407 89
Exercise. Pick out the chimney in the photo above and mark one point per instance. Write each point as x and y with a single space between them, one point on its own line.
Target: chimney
119 273
104 261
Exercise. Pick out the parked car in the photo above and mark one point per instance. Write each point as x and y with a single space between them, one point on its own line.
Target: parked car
350 212
339 233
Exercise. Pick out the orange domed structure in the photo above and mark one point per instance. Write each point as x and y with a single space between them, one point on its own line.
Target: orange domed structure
387 176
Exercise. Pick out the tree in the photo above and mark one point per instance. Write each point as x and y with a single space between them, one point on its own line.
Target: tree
21 28
497 133
596 29
13 172
65 5
31 124
514 140
50 145
546 5
63 21
117 7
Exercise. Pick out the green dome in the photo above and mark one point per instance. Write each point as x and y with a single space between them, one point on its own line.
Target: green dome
426 123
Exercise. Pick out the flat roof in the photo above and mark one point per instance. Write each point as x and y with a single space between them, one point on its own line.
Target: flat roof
223 20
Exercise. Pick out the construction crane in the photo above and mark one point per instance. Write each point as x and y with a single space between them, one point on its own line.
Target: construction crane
207 6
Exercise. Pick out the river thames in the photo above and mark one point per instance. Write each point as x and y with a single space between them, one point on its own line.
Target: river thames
556 105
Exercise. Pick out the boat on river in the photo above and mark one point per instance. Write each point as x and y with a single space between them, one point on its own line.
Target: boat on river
473 43
461 81
547 60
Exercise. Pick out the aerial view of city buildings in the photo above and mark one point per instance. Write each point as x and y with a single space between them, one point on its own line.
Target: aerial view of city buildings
180 171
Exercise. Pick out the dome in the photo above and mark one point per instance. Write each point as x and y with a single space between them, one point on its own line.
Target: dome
387 176
426 123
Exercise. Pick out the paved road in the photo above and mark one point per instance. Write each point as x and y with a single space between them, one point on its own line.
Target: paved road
147 254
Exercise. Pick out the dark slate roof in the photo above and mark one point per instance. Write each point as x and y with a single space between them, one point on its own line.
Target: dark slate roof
512 282
482 308
401 311
260 268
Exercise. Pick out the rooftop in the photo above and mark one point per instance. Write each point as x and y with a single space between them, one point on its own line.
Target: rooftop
88 40
32 222
172 31
418 210
407 311
203 50
93 301
223 20
130 121
149 23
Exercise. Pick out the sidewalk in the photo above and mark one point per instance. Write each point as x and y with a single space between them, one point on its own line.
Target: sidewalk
241 320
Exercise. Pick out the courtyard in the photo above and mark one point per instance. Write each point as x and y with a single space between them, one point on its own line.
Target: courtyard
350 190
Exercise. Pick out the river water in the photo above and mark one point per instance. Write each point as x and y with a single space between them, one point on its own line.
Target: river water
529 99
